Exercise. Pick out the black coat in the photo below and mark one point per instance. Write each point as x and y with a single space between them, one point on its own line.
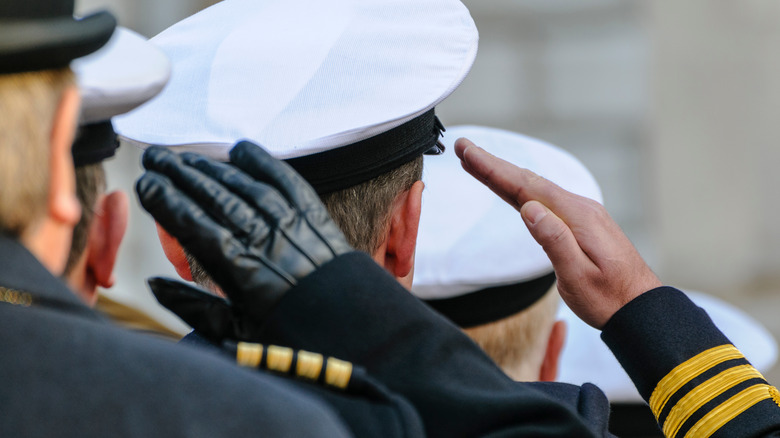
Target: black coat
689 372
352 309
67 373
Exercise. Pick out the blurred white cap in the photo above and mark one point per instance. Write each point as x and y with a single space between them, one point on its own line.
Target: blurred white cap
119 77
122 75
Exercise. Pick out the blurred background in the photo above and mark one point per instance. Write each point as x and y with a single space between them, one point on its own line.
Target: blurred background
672 105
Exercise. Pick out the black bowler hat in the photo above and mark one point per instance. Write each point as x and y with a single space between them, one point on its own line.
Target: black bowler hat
43 34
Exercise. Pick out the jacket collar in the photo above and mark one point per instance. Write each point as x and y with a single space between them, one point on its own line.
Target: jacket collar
21 271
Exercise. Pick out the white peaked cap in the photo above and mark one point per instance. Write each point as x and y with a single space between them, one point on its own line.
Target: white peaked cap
585 357
301 77
122 75
469 238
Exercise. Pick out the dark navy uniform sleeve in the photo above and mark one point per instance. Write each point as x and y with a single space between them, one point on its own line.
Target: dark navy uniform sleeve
352 309
695 381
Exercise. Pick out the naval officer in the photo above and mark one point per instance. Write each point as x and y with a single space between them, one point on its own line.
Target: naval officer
126 73
265 238
344 92
262 235
67 371
696 382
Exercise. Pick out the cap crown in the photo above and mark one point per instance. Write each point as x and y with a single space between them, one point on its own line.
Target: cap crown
304 76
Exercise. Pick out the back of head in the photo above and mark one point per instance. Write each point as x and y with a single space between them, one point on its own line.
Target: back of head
518 343
476 262
40 38
362 211
122 75
28 103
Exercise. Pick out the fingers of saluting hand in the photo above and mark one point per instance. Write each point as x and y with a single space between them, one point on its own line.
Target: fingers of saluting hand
243 198
518 186
514 185
555 237
580 279
598 268
183 218
213 196
261 166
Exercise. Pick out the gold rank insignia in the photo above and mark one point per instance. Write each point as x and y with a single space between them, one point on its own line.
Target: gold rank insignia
696 382
15 297
299 363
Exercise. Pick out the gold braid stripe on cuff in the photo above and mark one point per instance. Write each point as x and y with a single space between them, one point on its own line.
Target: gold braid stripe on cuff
687 371
730 409
704 393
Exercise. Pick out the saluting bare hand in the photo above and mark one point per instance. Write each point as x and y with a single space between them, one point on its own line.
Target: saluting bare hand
598 268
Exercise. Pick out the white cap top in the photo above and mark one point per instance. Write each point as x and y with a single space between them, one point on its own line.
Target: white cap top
469 238
303 76
122 75
585 357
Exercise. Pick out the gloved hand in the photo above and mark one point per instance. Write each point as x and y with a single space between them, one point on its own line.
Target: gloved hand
255 225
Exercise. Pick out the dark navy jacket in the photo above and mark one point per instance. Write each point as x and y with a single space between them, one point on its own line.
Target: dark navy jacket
67 373
692 376
352 309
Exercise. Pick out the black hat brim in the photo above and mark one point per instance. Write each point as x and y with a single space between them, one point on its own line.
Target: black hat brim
42 44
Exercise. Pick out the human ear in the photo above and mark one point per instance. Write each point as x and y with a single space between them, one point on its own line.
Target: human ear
549 370
402 232
105 236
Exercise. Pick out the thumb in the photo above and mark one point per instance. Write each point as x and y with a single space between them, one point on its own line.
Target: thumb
555 236
208 314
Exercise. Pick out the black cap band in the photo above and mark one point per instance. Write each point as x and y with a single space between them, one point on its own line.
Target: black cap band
491 304
94 143
346 166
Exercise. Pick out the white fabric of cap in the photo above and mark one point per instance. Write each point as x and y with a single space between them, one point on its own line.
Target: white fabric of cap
469 238
585 357
122 75
304 76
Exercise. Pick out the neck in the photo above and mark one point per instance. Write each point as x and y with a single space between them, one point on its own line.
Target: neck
49 242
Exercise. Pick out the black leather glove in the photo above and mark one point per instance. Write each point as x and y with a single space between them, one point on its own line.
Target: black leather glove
255 225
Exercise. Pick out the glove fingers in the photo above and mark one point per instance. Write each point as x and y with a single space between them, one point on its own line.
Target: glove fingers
261 197
225 258
268 202
208 314
212 245
261 166
255 161
225 208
